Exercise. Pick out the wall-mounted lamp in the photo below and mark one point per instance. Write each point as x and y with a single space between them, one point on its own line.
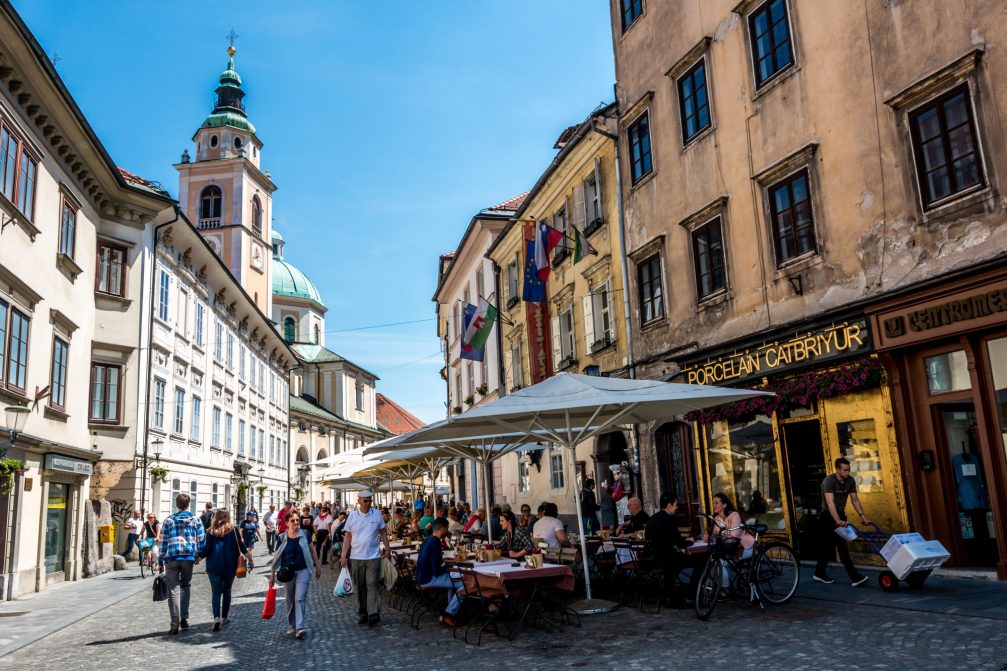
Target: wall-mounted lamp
797 284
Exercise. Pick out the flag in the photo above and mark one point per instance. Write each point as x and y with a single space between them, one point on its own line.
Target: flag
534 288
470 353
478 329
546 239
581 245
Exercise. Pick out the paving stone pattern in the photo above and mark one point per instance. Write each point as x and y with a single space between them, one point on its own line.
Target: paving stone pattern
808 633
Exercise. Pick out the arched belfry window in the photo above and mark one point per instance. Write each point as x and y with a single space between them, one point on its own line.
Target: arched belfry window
256 216
289 329
317 334
211 204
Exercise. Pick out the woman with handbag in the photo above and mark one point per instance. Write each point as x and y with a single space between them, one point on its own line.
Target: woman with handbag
225 558
294 561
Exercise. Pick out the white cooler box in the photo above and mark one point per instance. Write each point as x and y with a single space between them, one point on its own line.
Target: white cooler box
918 556
896 541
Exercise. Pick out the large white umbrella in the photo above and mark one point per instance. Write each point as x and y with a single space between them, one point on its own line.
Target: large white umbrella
569 408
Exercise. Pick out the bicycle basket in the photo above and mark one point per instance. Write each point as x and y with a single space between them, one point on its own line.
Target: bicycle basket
727 545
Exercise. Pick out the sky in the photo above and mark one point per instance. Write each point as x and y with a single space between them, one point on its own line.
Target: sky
386 125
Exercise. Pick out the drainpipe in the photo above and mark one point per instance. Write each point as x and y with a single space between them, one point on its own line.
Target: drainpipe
624 263
150 359
501 373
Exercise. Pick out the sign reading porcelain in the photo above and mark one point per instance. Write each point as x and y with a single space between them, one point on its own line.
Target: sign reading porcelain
56 462
804 348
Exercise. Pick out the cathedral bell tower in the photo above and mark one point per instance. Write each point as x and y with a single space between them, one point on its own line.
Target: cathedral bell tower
224 192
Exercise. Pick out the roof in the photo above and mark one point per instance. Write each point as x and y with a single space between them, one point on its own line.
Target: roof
395 418
312 353
309 407
289 281
145 184
511 203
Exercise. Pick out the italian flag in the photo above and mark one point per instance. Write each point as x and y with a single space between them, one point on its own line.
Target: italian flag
479 328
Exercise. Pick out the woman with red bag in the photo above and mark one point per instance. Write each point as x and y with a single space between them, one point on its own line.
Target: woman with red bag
294 561
223 552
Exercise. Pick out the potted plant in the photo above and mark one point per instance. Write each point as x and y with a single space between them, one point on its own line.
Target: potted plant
482 389
158 474
298 493
469 400
261 490
9 467
457 409
242 490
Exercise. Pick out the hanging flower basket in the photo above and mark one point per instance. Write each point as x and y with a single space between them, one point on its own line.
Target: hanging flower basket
9 467
798 391
158 474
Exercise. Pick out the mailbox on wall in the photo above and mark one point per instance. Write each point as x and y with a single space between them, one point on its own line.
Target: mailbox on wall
106 533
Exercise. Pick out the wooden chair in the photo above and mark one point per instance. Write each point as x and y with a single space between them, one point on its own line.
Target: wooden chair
484 604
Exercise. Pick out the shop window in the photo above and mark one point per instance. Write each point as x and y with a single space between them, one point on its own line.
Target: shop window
55 527
858 442
947 372
523 476
743 461
998 365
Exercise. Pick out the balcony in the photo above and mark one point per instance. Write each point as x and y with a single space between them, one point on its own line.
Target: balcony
204 224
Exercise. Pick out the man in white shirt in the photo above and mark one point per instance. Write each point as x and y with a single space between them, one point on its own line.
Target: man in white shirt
133 527
269 521
365 541
549 528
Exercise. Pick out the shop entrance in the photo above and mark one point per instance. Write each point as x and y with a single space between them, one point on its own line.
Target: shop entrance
805 456
972 519
55 531
677 469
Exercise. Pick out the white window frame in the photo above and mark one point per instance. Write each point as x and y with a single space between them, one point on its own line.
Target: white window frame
163 295
523 476
241 436
556 473
179 425
197 410
228 432
598 311
200 319
217 418
218 341
157 414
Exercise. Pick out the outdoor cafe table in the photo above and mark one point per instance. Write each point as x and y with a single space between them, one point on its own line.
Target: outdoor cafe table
506 577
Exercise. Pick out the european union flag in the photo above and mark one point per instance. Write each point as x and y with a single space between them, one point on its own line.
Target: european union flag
472 353
534 288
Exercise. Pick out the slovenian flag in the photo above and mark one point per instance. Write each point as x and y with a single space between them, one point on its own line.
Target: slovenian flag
477 332
546 239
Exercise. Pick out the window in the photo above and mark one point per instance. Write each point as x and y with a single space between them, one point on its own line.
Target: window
262 378
708 255
228 432
360 395
272 449
318 334
215 441
631 11
200 313
770 34
556 475
272 387
946 147
210 204
560 223
523 476
512 281
111 277
193 489
14 334
262 445
182 314
176 489
947 372
253 367
213 140
67 228
251 442
592 200
256 216
564 349
693 101
241 436
517 367
241 362
106 388
289 329
598 330
163 292
214 490
790 210
230 351
648 274
17 173
179 411
639 148
218 341
158 410
197 412
57 378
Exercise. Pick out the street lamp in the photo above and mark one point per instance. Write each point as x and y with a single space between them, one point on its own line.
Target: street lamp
14 418
143 462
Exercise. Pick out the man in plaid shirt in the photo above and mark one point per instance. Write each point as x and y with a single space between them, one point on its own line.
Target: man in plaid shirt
182 539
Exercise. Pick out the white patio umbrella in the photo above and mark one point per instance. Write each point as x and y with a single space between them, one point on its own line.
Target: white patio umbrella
568 409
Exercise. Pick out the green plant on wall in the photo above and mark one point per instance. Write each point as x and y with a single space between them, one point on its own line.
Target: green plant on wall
242 491
158 474
9 466
298 493
261 489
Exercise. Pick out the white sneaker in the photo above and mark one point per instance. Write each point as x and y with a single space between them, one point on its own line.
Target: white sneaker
290 630
223 621
824 579
858 583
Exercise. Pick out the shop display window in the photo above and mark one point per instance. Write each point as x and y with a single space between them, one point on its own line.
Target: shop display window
947 372
858 442
55 527
743 464
998 366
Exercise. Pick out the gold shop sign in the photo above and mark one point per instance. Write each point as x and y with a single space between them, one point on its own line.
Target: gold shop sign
801 349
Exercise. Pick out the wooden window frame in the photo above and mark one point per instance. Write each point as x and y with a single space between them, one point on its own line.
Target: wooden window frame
53 383
22 153
122 268
633 138
655 280
703 232
787 182
690 75
7 359
67 206
626 7
937 103
764 8
118 401
207 194
256 216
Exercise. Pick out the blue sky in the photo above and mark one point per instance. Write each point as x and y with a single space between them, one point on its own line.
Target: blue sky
386 125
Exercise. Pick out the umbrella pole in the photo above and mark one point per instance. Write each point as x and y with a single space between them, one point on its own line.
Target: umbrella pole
486 499
580 520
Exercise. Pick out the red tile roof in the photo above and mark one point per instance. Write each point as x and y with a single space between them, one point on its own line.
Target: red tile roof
395 418
512 204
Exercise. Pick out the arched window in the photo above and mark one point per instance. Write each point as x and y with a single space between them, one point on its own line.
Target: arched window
317 334
360 394
289 329
211 204
256 216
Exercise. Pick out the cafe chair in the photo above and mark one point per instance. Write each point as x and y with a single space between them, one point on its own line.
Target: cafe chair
482 606
428 599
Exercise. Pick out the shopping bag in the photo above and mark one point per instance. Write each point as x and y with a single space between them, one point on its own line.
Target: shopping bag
344 586
389 574
269 607
160 588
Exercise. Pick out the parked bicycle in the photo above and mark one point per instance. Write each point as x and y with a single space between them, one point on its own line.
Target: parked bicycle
770 574
146 546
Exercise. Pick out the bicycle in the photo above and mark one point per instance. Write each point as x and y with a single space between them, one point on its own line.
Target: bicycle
770 574
146 546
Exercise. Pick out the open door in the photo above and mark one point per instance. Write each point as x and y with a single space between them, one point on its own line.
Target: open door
677 469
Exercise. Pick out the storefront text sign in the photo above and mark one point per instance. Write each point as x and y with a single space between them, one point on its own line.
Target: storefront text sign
772 357
56 462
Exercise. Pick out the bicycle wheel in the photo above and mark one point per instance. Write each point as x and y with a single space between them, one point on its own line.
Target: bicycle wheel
776 573
144 568
708 589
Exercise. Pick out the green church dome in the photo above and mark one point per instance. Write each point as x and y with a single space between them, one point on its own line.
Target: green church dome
289 281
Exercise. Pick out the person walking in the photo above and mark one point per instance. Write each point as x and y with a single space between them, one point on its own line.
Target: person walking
589 508
182 539
133 527
322 525
269 522
222 549
249 534
837 489
281 519
365 542
295 555
207 517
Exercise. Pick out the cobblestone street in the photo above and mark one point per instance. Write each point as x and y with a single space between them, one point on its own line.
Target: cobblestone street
809 633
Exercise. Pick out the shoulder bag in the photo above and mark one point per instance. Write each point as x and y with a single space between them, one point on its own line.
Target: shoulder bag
240 571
